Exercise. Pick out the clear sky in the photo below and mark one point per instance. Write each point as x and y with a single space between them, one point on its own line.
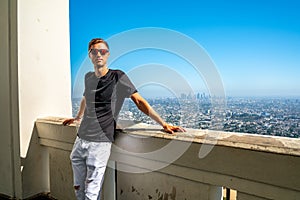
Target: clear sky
255 45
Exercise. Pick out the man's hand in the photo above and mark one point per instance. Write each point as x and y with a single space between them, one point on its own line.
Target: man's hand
70 121
171 129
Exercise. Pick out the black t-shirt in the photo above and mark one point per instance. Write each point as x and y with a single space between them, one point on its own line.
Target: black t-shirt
104 99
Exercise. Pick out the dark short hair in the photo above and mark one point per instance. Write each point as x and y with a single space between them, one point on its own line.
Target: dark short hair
96 41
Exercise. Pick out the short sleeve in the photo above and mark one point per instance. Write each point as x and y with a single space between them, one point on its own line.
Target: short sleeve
125 86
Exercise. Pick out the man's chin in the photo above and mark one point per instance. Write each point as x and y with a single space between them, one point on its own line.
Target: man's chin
99 65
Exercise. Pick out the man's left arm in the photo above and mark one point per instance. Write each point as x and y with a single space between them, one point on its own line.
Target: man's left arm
145 107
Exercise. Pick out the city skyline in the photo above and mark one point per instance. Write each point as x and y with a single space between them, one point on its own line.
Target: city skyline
264 116
254 45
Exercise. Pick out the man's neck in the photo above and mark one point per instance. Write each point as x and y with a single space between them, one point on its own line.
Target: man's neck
101 71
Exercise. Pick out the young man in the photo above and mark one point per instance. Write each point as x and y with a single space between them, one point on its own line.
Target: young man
105 91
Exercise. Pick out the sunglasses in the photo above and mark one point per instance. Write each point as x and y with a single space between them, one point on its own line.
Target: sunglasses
101 51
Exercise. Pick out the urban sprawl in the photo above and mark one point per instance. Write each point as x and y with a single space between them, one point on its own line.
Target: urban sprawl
258 115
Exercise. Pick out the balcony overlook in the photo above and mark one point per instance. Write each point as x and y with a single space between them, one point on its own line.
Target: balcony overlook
147 163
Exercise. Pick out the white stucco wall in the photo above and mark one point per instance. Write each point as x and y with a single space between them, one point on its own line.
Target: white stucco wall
44 63
35 81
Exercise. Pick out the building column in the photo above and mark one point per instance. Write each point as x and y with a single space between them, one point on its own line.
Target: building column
10 165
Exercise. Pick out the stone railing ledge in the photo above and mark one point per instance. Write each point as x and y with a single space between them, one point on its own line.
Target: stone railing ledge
255 142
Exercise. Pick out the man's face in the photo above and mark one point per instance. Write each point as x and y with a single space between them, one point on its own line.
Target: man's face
99 54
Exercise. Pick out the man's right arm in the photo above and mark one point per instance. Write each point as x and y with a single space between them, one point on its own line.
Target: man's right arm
79 114
81 108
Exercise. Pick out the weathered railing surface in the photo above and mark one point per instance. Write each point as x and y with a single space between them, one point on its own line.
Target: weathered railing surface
151 164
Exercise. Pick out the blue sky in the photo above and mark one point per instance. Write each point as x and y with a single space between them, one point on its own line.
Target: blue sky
255 45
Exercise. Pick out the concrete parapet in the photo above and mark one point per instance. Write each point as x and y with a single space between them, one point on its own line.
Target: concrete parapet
147 163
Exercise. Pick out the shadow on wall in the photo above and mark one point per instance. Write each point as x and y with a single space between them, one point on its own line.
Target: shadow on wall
35 169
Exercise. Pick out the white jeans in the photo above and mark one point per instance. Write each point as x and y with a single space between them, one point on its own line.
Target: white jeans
89 160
